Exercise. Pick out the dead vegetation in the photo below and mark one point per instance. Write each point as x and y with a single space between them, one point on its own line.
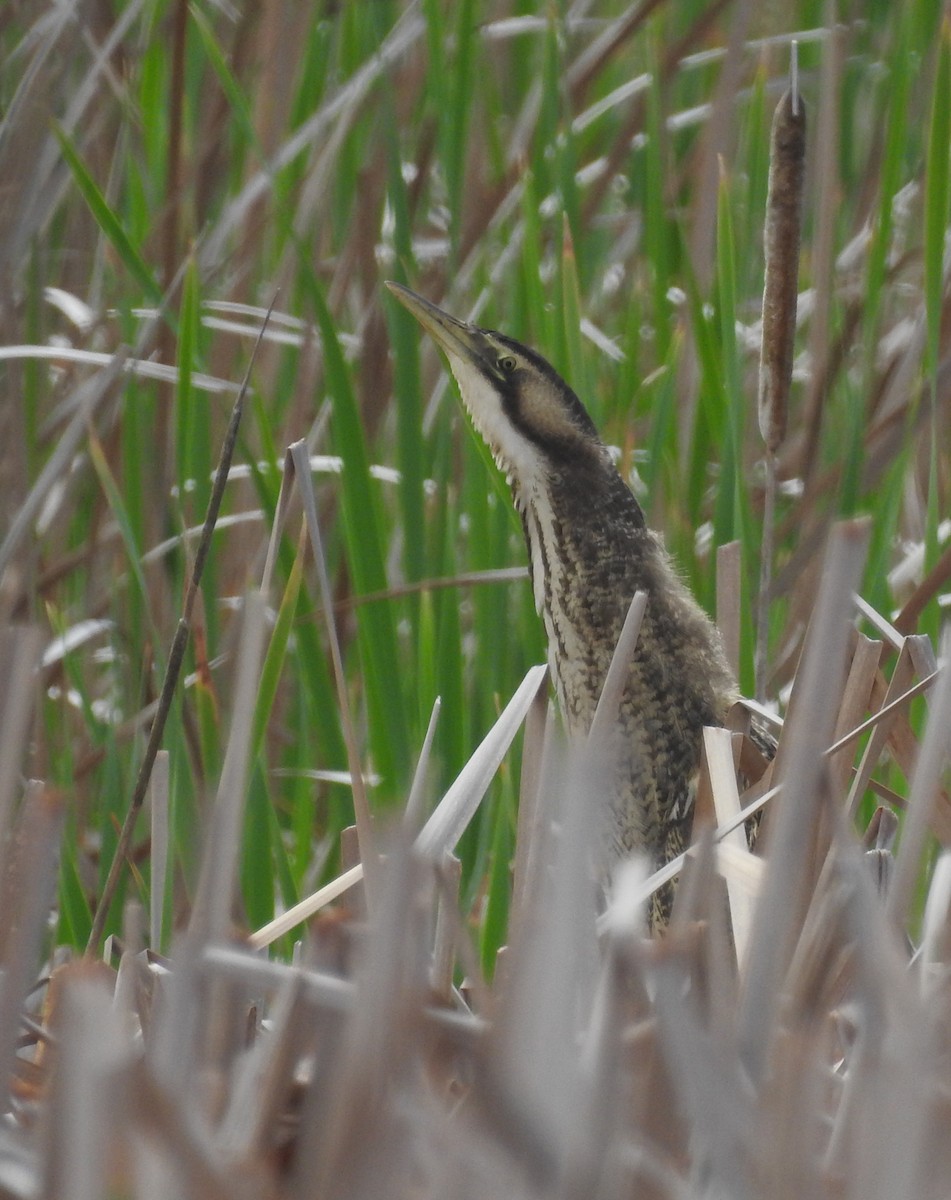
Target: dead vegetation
782 1039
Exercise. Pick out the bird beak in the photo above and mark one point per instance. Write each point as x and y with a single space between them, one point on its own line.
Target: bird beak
455 338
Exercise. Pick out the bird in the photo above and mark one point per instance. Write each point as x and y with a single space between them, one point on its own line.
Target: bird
589 550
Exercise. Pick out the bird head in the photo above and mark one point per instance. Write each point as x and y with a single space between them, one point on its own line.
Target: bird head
531 420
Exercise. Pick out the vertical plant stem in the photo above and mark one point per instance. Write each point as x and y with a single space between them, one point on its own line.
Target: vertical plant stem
780 296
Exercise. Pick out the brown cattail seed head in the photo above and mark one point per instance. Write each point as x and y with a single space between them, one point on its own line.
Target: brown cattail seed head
781 289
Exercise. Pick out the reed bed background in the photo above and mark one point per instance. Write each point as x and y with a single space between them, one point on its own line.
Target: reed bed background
199 195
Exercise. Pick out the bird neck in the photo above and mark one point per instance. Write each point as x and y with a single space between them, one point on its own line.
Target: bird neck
589 551
588 545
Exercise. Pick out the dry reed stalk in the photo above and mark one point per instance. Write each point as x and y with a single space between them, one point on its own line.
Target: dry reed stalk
808 730
729 567
159 805
531 813
215 894
721 769
866 655
27 891
19 656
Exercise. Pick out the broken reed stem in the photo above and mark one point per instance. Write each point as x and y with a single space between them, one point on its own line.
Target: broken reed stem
176 655
780 294
415 811
609 702
808 731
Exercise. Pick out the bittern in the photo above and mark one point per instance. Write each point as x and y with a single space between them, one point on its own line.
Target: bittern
589 551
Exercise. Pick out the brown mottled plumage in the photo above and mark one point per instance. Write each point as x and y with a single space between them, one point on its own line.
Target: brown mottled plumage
589 550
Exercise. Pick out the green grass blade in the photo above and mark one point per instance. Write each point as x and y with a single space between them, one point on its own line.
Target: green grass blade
107 220
407 382
119 510
388 730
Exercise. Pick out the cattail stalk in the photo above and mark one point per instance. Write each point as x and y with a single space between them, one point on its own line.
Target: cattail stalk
780 293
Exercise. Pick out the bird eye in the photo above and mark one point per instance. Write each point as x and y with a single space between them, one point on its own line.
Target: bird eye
507 364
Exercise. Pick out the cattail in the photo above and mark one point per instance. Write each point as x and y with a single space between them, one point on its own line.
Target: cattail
781 236
782 233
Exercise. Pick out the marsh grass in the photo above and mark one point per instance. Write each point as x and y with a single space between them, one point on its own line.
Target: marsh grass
595 184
